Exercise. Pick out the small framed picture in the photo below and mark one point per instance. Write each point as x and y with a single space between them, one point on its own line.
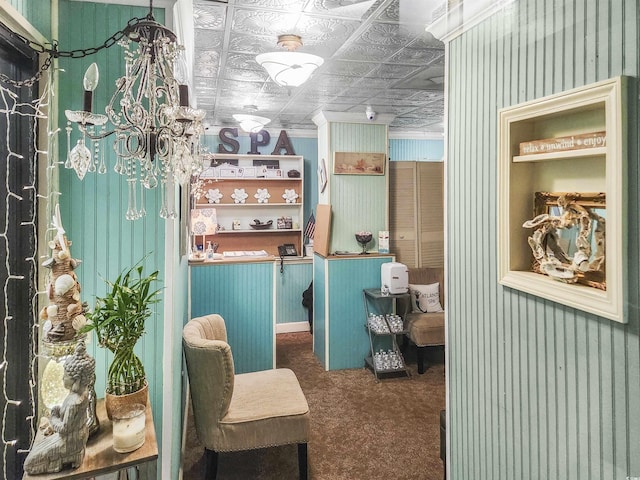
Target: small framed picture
274 173
247 172
270 164
322 176
228 172
221 162
359 163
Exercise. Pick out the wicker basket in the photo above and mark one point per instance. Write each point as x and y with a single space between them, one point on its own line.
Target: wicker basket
114 402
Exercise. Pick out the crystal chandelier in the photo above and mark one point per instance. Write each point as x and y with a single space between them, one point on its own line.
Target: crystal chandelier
289 68
157 134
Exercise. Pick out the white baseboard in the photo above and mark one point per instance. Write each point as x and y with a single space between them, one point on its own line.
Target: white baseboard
292 327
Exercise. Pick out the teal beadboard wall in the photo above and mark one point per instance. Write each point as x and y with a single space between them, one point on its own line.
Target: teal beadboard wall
537 390
348 338
358 202
37 13
93 209
289 285
242 294
419 150
319 309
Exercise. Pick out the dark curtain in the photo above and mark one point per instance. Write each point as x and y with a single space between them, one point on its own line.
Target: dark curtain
17 245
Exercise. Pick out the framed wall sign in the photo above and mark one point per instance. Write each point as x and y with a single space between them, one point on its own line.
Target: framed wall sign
359 163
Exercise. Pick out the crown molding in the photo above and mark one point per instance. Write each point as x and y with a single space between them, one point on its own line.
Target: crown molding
464 16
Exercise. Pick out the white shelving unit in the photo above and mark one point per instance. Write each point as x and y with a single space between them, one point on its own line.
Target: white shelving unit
226 173
383 305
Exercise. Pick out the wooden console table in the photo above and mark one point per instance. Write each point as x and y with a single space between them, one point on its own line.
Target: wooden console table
100 458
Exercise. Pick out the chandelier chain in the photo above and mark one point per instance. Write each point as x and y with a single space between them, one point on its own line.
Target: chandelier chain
51 49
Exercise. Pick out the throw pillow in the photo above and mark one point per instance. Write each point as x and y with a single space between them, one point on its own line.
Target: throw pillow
425 298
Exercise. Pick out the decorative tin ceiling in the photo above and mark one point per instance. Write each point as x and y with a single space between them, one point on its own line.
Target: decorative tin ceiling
376 52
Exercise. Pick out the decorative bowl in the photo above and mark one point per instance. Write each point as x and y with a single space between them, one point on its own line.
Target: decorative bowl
363 238
258 225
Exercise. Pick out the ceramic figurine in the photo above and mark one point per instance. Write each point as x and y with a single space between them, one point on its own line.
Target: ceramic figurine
66 431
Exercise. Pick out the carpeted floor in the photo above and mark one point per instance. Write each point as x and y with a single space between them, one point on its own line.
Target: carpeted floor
360 429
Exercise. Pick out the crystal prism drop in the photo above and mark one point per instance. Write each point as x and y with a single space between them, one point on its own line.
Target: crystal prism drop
80 157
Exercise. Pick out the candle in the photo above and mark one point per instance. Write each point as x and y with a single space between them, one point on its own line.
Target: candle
90 82
184 95
128 428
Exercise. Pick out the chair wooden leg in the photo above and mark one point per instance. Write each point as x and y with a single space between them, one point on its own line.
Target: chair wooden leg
211 464
302 460
421 359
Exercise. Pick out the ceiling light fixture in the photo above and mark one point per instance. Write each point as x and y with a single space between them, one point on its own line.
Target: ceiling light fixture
156 132
290 68
249 122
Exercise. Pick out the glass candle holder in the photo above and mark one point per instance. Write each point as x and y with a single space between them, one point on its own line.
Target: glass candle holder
52 389
129 428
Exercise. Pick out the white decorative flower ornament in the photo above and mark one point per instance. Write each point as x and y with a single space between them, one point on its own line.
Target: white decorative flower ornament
290 195
214 195
263 195
239 195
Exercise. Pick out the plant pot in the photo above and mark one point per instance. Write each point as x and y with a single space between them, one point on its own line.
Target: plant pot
113 402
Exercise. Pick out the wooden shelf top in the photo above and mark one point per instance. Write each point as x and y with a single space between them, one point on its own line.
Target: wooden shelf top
100 457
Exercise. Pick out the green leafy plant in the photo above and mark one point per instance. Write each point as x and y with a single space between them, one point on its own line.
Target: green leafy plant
118 320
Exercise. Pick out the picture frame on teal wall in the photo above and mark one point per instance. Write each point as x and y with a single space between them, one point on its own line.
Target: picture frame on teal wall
359 163
322 176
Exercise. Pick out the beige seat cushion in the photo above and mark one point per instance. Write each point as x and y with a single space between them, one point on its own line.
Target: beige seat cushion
425 328
267 408
265 394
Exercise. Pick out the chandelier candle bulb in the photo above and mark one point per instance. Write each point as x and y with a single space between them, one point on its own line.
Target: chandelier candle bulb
90 82
184 95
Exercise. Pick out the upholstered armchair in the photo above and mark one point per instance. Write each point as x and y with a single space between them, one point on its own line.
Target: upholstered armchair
425 325
240 412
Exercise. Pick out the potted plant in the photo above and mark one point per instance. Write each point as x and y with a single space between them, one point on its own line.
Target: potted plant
118 320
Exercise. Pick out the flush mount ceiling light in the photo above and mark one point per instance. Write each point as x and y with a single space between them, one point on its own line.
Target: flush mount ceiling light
251 123
290 68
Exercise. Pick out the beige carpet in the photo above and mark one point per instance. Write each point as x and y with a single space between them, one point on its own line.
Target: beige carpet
360 429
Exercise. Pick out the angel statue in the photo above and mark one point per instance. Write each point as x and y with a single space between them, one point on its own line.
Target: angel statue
66 432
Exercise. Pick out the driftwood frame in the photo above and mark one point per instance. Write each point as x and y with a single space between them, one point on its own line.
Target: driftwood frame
544 202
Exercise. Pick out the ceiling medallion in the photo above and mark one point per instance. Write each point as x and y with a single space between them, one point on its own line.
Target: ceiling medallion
289 68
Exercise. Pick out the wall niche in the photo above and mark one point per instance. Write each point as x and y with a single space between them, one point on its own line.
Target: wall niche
574 142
